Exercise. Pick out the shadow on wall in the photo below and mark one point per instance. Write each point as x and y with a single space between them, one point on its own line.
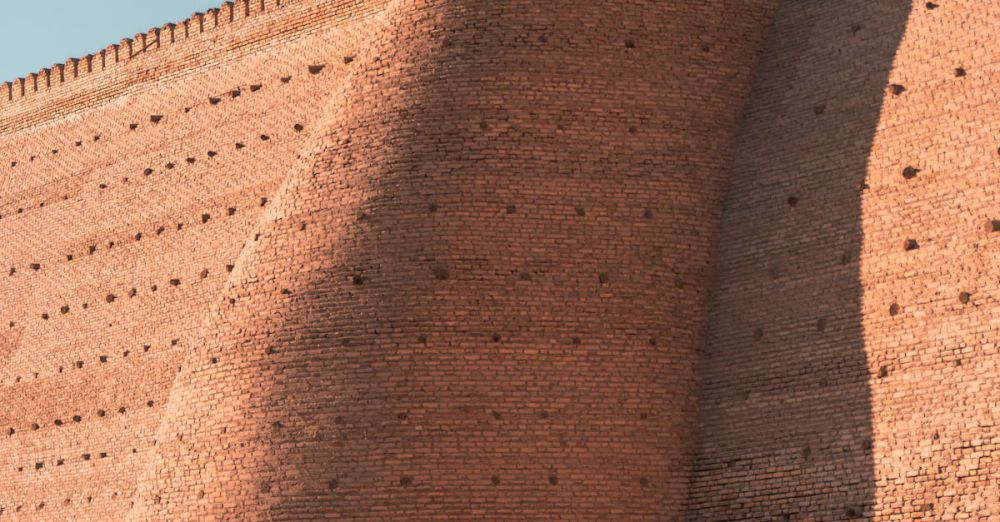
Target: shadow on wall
784 428
494 301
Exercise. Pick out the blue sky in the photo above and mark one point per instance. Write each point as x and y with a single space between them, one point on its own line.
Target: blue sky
39 33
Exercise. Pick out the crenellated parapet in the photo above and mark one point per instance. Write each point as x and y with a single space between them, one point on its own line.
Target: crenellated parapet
223 18
161 55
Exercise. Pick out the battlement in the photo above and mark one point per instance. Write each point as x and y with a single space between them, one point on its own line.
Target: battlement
142 44
162 54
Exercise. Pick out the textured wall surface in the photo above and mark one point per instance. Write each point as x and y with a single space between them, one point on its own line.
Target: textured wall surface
401 259
785 418
417 259
851 359
930 270
121 218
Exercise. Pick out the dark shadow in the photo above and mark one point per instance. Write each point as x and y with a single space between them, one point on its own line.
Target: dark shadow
784 428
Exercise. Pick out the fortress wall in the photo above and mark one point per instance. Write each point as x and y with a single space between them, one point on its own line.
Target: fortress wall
786 403
236 30
850 372
482 291
473 281
117 239
933 357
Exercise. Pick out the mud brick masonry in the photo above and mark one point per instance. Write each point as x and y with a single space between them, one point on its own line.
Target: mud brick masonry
508 260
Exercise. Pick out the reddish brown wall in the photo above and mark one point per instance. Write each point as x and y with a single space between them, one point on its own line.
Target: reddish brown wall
462 269
477 289
146 231
843 376
934 363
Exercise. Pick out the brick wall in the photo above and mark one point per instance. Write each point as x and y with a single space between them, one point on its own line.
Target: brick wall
934 361
851 360
127 196
428 259
785 426
495 302
405 259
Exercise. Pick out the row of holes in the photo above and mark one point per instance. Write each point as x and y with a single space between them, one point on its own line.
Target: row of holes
331 485
405 481
213 100
76 419
85 457
133 292
298 127
578 210
41 505
190 160
432 207
265 487
441 273
964 297
79 364
35 426
138 236
496 338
